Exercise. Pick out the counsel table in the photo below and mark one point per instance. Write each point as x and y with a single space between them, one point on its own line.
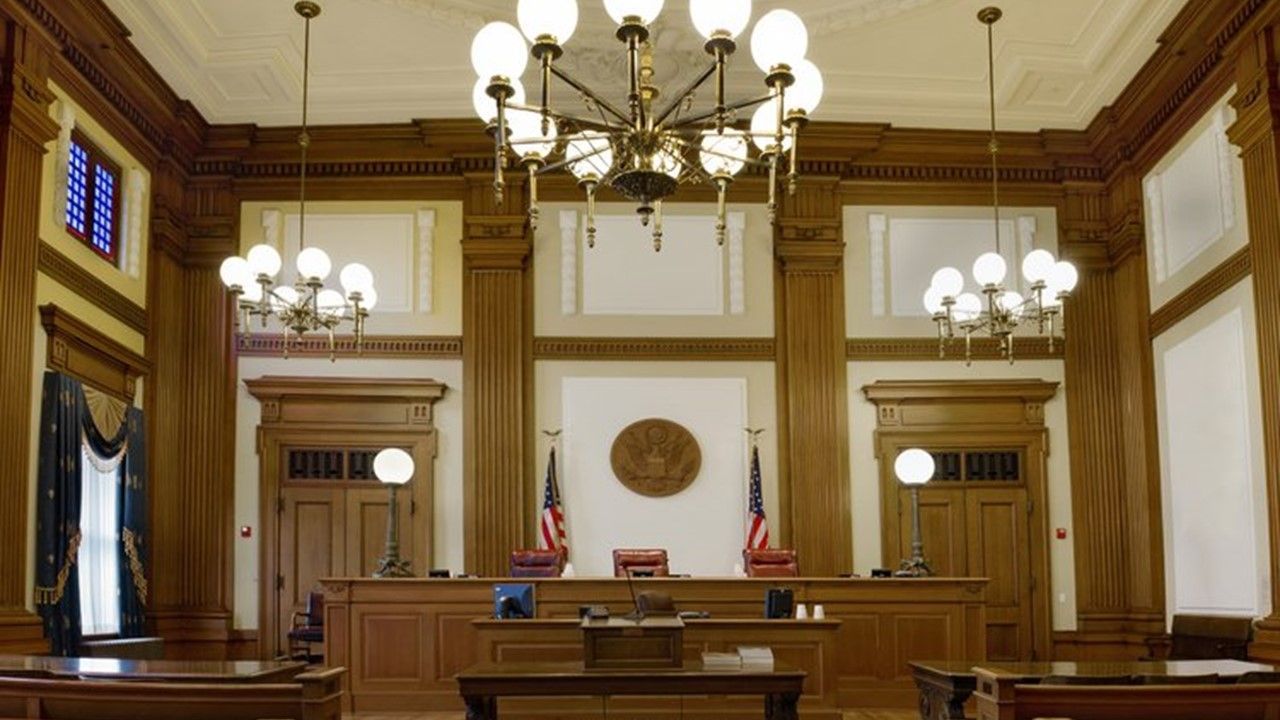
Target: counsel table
481 685
205 671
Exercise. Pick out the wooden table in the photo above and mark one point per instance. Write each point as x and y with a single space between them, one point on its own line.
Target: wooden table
945 686
202 671
481 685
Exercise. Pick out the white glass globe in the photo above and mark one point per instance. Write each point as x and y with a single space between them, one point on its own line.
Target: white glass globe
313 263
485 106
393 466
557 18
807 91
723 153
527 138
264 260
667 160
723 16
764 128
779 38
355 277
913 467
369 298
1050 298
252 293
1011 301
1037 265
590 154
948 281
331 304
968 307
989 269
933 301
284 297
1064 277
646 10
235 271
499 49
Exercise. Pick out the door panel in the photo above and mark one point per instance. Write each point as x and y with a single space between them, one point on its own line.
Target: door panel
367 528
999 549
942 528
312 535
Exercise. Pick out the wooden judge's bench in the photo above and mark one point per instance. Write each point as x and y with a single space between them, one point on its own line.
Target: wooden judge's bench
403 641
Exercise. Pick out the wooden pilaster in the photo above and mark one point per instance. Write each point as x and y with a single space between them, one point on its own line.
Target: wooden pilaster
813 406
25 127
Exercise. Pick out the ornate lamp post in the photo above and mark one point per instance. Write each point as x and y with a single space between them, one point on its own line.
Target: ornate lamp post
914 468
393 467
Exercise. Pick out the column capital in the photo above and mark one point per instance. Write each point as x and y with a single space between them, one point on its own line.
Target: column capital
24 81
1257 97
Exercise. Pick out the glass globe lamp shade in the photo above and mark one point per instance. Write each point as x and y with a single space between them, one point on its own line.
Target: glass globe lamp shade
235 271
913 467
933 301
590 154
252 293
499 49
331 304
393 466
989 269
557 18
527 138
284 297
369 298
1011 301
764 128
779 38
356 277
948 281
485 106
646 10
968 307
264 260
807 91
1037 265
1064 277
723 153
313 264
720 16
667 161
1050 299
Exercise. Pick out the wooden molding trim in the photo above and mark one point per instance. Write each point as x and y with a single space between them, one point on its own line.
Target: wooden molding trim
1211 285
926 349
87 285
307 399
946 391
657 348
441 347
83 352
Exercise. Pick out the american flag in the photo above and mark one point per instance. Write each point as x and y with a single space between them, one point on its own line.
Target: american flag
757 525
552 536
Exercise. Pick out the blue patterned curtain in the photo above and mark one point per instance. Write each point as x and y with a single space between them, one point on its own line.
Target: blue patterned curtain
133 528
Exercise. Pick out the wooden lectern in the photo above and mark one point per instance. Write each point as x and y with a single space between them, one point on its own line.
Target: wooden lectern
626 644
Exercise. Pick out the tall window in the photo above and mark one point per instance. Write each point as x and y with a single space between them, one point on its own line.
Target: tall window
98 562
93 198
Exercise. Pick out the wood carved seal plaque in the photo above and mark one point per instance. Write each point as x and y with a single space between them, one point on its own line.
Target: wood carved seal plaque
655 457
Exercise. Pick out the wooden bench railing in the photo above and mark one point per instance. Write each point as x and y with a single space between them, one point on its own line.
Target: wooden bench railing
310 696
1001 698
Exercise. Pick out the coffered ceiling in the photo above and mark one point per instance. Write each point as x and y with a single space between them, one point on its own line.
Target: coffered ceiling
908 62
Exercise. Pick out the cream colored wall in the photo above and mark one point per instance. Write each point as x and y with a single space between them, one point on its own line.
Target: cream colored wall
446 315
447 542
865 473
761 406
756 321
53 230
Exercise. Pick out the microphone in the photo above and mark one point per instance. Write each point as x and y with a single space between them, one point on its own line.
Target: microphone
636 614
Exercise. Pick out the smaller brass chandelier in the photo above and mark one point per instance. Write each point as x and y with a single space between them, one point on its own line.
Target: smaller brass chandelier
306 306
1000 311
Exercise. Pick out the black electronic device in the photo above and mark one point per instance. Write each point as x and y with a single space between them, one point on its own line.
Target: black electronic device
594 612
513 601
438 573
778 603
881 572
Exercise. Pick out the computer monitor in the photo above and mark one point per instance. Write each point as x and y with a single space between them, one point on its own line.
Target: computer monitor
778 603
513 601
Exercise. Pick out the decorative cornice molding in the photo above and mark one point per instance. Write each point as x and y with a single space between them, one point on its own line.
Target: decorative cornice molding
926 349
409 347
1201 292
87 285
78 349
655 348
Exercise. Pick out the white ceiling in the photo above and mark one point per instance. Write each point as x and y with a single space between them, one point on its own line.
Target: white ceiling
908 62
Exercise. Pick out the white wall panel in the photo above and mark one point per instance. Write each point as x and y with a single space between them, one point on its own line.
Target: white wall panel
384 242
701 527
622 275
919 246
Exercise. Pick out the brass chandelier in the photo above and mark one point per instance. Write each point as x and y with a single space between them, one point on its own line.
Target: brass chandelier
644 150
1000 311
306 306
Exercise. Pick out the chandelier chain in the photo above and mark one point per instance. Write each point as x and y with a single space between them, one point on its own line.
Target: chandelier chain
994 145
304 138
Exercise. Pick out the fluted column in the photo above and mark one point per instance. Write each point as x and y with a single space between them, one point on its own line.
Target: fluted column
1257 133
813 413
25 126
497 352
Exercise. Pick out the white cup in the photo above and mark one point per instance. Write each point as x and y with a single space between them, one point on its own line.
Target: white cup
802 612
738 570
568 570
819 612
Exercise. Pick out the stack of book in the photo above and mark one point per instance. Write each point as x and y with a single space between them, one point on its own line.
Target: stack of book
756 657
721 661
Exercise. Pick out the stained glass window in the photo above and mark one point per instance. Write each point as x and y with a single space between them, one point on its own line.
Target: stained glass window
93 198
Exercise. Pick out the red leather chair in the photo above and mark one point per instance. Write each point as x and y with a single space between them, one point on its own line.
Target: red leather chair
537 563
770 562
636 560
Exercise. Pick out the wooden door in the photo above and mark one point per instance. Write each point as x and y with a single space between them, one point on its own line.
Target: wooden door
312 540
366 538
942 528
999 549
